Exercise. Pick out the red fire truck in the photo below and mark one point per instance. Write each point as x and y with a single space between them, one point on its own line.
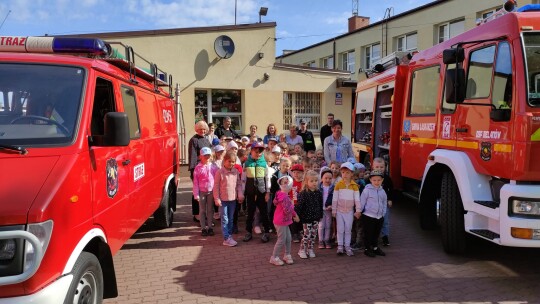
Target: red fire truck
459 125
88 152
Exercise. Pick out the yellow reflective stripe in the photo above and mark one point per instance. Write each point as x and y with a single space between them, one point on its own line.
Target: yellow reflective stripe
467 144
536 135
421 140
446 142
502 148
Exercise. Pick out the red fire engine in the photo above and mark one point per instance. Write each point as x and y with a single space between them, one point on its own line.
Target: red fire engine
459 125
88 152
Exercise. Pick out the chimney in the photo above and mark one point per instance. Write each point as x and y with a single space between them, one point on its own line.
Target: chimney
357 22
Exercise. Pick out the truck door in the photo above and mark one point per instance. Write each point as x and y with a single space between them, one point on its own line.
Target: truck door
484 126
447 120
418 132
109 172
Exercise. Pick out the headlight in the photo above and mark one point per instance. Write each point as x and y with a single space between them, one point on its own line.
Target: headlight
523 207
7 250
43 232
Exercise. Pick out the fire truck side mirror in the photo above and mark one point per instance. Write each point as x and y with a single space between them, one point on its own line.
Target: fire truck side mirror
456 55
455 85
116 129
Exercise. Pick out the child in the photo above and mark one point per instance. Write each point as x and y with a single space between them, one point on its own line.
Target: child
218 155
309 210
256 186
325 225
227 184
283 217
203 183
346 197
335 167
284 166
380 165
298 178
374 205
284 149
319 153
357 236
315 167
276 153
307 164
299 150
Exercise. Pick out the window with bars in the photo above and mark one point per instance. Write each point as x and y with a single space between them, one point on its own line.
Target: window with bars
298 105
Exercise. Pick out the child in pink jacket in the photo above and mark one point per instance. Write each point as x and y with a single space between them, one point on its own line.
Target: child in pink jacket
203 184
283 217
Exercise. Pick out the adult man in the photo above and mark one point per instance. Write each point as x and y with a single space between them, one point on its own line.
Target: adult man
225 129
337 147
293 138
326 130
307 136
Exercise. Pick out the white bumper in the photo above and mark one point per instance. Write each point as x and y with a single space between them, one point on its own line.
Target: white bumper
507 222
53 293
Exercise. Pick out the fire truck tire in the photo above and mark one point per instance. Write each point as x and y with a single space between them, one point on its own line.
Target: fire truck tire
163 216
452 216
428 211
87 284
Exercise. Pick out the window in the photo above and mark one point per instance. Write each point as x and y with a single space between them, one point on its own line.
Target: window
451 30
407 43
448 107
130 107
479 74
214 105
297 105
424 91
103 104
502 81
328 62
347 61
310 64
372 54
488 14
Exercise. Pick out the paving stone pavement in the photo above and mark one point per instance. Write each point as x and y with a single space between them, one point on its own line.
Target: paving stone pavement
177 265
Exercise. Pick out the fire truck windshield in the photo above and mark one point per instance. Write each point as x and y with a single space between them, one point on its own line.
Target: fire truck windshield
39 104
531 43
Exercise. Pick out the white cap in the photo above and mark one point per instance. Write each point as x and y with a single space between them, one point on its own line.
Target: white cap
276 149
348 165
219 148
231 145
206 151
244 138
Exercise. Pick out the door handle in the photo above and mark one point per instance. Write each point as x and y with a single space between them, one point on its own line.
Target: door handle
461 130
405 138
126 162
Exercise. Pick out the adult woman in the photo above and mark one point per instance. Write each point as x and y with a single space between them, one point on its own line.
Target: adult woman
253 137
271 131
196 143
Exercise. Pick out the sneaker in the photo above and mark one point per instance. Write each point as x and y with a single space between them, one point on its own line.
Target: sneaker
321 245
229 242
288 259
257 230
302 254
369 252
204 232
355 247
248 237
349 251
210 232
276 261
378 251
328 245
296 238
385 241
340 250
311 253
265 238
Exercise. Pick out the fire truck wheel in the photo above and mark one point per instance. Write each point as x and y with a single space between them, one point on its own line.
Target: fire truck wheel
452 216
429 207
163 216
87 284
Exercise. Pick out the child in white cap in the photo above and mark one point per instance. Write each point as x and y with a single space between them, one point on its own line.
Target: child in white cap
346 198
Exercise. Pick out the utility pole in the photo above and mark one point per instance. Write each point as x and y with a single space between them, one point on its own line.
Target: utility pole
9 12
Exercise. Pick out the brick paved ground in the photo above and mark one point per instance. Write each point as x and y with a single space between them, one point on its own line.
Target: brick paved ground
177 265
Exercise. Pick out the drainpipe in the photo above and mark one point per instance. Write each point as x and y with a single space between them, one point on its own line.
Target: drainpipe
334 53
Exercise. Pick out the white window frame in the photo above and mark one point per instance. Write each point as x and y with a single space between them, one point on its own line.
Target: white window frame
348 61
487 14
236 116
328 62
306 105
406 47
447 33
368 55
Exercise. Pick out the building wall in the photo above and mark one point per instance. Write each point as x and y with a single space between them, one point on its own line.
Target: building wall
424 22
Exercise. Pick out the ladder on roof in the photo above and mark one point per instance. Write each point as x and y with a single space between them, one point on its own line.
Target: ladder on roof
126 61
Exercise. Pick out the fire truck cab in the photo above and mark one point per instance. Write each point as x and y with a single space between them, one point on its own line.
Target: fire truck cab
88 152
459 125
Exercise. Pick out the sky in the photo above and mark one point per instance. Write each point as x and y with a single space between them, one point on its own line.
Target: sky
300 23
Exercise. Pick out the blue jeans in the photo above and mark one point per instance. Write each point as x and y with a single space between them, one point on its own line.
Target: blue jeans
227 214
386 225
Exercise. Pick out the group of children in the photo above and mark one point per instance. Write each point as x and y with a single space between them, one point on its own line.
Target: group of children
297 196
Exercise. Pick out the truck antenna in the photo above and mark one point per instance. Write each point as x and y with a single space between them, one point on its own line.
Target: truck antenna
9 12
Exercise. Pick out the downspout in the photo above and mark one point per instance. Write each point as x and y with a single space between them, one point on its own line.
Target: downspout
334 53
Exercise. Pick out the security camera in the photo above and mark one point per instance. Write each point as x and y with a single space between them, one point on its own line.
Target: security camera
266 76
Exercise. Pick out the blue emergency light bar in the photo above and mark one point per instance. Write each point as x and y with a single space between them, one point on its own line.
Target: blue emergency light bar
53 45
